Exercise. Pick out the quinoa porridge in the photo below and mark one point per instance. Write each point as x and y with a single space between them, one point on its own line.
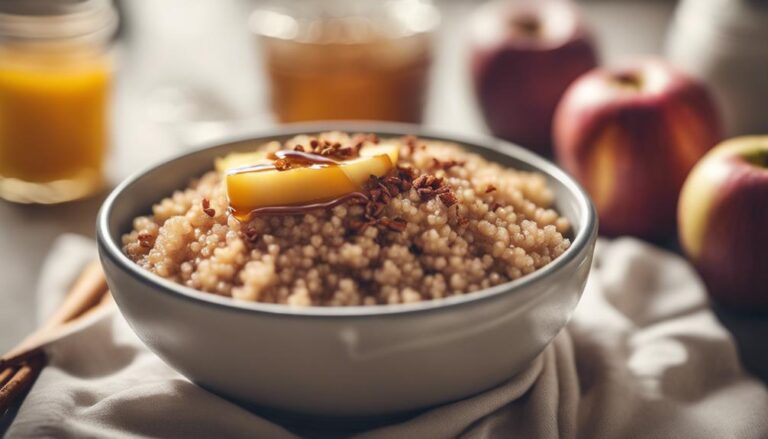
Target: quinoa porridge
440 222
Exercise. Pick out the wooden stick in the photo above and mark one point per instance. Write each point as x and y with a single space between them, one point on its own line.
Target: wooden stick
20 382
85 293
18 356
22 364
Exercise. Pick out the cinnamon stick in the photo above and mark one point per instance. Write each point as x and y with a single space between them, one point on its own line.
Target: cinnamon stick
6 374
21 365
20 381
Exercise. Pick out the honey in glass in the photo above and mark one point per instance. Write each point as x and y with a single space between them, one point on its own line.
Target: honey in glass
365 60
54 85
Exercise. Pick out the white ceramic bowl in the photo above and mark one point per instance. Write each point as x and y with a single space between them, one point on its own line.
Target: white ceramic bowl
345 361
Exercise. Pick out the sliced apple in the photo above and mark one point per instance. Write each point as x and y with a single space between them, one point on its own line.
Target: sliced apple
389 148
239 159
252 190
358 171
248 191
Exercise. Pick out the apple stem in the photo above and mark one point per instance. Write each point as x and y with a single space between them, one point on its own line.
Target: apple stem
628 80
527 24
759 158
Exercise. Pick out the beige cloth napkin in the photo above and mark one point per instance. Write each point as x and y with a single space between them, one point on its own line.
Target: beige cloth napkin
644 357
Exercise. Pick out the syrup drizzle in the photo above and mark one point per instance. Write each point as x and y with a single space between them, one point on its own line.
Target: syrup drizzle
296 209
302 158
251 168
291 157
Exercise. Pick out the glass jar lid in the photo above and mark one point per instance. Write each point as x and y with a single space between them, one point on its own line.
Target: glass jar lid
39 20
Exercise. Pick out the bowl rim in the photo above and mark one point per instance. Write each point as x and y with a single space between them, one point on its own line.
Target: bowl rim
584 237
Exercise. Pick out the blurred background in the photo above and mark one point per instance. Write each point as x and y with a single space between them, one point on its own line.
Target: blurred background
156 78
186 65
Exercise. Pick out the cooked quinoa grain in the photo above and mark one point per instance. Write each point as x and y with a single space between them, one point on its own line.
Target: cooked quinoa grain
447 222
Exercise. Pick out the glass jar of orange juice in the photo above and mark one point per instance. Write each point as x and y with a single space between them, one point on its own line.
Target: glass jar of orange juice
54 84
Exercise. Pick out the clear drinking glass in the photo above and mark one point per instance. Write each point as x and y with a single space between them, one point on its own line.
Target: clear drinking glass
351 59
54 84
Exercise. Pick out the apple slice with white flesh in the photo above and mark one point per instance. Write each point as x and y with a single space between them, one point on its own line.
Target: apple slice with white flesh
270 187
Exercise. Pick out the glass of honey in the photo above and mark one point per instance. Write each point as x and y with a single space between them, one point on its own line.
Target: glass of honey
55 77
347 59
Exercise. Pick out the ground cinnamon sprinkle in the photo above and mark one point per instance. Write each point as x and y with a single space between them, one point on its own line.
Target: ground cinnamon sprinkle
424 231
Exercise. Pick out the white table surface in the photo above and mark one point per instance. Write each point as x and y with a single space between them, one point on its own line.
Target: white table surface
208 50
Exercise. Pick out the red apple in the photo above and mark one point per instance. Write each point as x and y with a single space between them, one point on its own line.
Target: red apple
630 135
524 54
723 222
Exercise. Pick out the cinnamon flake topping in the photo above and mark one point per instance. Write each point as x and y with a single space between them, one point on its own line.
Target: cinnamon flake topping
250 235
333 150
445 164
145 239
410 143
207 208
282 165
429 186
396 225
449 199
379 191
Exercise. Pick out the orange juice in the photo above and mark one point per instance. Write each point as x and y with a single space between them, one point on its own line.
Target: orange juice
52 118
54 80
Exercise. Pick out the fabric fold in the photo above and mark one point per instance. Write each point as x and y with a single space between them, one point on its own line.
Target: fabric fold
643 357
